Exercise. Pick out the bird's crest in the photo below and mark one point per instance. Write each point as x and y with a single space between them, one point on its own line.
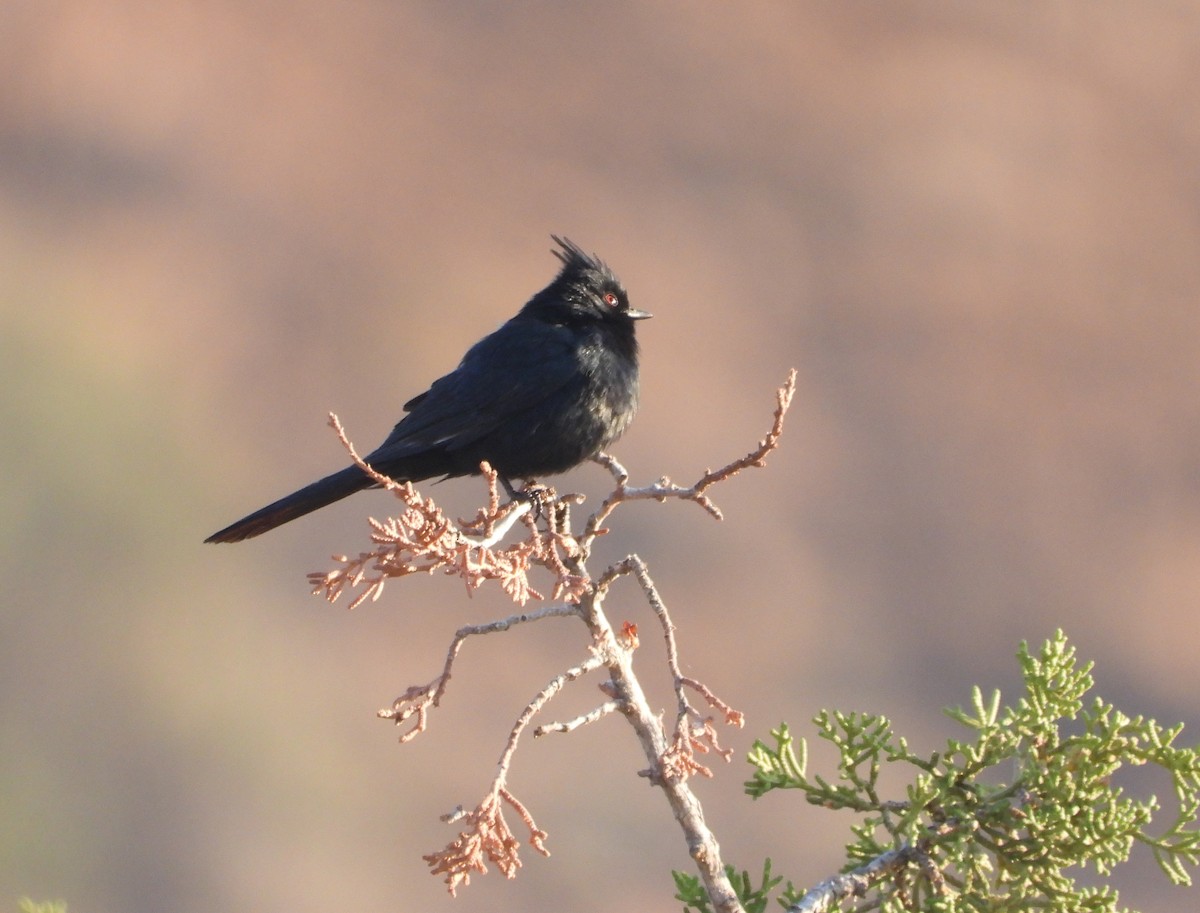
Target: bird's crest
575 260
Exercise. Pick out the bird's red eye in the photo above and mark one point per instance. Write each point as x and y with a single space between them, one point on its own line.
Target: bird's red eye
610 299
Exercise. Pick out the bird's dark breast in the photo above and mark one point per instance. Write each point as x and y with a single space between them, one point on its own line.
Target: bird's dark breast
555 434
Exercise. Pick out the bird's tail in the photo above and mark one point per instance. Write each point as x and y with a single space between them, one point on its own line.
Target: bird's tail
297 504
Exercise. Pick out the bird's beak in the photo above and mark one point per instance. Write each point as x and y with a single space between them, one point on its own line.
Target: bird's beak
635 314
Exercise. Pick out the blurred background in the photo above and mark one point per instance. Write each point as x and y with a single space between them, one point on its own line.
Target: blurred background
973 229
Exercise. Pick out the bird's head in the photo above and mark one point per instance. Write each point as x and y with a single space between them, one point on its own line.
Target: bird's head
584 289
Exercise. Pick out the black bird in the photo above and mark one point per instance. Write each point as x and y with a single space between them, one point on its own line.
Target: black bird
543 393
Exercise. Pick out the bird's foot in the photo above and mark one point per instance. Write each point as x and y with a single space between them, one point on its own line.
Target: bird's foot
540 497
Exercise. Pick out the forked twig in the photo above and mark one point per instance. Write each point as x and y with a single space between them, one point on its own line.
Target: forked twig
488 834
664 488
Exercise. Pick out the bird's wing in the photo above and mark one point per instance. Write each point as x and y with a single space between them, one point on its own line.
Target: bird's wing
514 369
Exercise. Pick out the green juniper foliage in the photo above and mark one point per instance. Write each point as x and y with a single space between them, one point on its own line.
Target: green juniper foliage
995 822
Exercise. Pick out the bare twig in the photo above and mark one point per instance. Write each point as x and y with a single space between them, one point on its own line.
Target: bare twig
664 488
419 698
571 725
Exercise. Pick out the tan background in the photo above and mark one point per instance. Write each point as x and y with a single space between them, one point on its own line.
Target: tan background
974 229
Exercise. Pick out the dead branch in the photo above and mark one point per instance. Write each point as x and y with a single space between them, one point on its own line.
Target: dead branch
423 539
